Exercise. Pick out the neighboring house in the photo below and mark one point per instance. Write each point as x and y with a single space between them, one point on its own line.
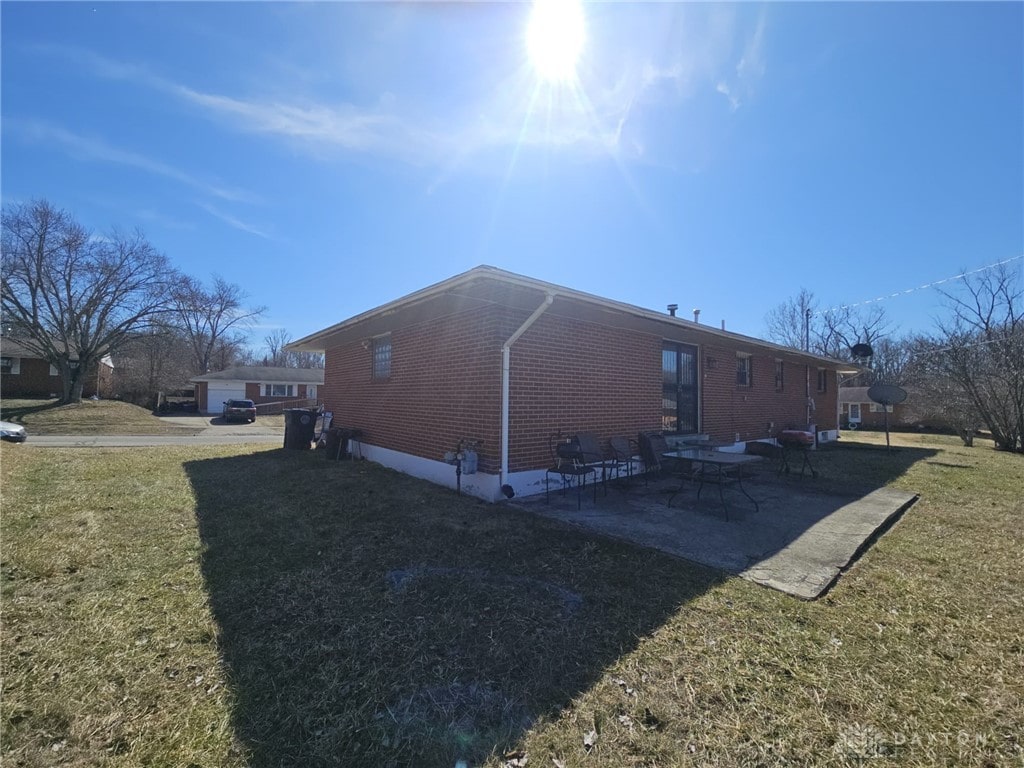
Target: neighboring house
259 383
507 360
856 409
23 373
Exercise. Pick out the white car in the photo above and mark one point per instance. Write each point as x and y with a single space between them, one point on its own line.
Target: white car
12 433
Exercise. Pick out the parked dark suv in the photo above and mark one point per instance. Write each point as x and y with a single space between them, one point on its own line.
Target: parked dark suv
243 410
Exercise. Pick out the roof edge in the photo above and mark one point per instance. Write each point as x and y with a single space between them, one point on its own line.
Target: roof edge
512 278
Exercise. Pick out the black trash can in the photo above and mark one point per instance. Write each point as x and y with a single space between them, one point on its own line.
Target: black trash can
299 427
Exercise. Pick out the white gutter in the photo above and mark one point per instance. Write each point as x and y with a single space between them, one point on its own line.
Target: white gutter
506 368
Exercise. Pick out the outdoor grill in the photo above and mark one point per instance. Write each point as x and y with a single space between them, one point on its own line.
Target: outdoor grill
797 440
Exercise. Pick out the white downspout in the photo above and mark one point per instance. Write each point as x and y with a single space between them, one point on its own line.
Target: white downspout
506 368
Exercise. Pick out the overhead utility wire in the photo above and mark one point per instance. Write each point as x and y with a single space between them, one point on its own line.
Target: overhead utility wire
897 294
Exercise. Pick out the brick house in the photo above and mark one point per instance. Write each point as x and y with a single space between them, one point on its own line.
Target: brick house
856 409
23 373
259 383
507 360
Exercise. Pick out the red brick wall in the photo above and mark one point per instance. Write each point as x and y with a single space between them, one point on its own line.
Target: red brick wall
444 386
566 376
730 409
253 391
34 380
876 419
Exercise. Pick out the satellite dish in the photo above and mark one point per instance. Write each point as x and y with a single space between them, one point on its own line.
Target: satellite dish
862 350
887 394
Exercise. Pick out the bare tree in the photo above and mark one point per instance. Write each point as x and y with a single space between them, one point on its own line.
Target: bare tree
937 397
73 298
980 349
789 322
837 330
278 353
798 323
212 319
892 361
276 342
158 360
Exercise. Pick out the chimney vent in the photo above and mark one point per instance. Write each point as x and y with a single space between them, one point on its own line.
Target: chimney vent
672 309
696 315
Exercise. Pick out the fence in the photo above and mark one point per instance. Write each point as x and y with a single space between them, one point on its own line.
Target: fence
268 409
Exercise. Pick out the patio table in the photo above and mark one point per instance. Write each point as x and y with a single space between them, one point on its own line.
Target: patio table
713 467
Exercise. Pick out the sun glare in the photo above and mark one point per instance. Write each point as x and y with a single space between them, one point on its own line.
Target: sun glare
554 38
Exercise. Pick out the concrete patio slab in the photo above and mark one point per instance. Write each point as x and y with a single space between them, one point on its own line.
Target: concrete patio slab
799 542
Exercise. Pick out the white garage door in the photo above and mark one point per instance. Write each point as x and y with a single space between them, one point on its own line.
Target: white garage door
219 393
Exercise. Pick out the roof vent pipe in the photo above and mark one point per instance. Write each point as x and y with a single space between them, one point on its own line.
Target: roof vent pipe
723 325
672 309
696 315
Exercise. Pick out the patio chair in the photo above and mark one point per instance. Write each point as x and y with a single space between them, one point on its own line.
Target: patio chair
623 451
593 456
569 466
652 450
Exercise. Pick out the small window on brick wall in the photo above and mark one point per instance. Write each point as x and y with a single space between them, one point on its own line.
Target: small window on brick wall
743 371
779 367
54 371
822 380
10 365
382 357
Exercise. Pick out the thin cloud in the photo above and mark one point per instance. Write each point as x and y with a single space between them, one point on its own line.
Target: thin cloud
233 222
697 50
344 126
97 150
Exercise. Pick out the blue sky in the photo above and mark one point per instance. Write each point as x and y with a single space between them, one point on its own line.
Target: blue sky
330 157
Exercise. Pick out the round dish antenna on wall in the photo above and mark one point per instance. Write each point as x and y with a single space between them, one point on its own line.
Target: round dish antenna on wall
862 350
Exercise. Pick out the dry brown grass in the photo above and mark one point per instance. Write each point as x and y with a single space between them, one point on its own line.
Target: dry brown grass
89 417
219 606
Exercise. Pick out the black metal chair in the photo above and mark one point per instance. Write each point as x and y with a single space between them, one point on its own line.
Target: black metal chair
652 450
623 452
569 466
594 457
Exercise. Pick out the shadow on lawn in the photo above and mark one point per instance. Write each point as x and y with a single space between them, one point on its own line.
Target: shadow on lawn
368 618
27 407
852 467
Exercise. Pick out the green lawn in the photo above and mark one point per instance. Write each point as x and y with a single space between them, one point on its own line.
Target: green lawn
89 417
226 606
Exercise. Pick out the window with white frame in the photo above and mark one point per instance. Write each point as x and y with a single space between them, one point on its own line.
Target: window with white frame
11 365
53 370
382 357
878 408
822 379
743 371
854 411
278 390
